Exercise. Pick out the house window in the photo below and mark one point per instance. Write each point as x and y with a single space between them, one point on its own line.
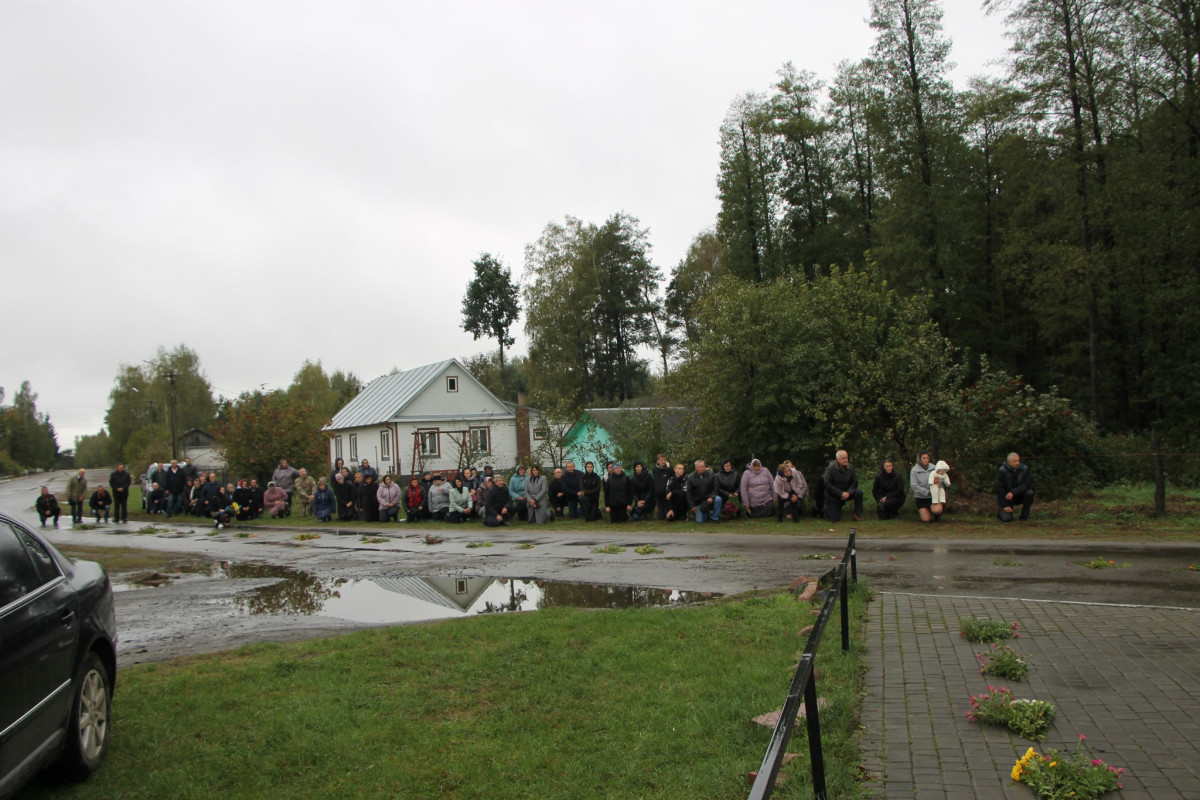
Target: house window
354 447
481 441
541 430
337 447
460 586
451 383
427 439
385 445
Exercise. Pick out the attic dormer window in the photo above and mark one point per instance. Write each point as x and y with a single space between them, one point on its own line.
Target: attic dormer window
451 383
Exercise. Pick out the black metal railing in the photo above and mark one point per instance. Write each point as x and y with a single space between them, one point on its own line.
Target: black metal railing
804 686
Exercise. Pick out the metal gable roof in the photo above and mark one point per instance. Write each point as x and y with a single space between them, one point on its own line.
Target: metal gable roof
385 396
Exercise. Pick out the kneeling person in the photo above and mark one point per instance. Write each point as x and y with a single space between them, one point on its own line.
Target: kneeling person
1014 487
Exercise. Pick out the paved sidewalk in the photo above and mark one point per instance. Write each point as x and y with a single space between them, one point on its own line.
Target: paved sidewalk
1126 677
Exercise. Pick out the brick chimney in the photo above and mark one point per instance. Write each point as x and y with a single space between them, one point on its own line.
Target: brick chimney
523 448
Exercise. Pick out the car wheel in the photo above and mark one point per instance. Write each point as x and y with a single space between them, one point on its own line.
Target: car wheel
88 725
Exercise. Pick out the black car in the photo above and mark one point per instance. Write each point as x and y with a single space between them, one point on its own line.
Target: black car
58 660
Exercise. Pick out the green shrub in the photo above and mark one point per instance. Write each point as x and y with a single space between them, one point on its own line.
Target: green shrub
1001 414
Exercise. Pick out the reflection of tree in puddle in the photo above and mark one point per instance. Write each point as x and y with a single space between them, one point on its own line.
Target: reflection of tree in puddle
576 595
589 596
516 599
294 591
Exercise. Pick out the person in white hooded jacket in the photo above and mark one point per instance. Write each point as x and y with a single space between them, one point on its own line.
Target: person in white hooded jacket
939 480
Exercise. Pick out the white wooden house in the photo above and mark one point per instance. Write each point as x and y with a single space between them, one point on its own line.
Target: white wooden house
437 417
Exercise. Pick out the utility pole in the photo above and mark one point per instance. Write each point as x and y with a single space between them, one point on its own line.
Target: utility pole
170 375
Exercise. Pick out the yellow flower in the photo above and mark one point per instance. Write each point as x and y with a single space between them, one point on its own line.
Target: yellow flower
1054 763
1016 771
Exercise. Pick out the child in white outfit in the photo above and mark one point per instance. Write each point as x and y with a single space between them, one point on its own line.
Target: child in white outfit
939 479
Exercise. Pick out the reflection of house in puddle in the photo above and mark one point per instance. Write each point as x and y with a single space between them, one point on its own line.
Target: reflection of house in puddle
454 593
411 599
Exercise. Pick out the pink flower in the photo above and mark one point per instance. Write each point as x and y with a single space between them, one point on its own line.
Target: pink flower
1082 738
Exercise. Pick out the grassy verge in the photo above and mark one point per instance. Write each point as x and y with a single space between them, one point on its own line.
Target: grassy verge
120 560
559 704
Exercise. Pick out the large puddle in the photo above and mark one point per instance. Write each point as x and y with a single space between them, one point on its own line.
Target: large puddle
398 599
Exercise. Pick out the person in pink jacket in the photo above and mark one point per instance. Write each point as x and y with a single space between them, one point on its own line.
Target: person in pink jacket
388 495
275 500
790 489
758 491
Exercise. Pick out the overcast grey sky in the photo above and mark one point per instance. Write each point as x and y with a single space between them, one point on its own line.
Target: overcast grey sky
273 181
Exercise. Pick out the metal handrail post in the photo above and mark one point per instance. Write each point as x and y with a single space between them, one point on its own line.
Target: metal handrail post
853 555
845 592
816 757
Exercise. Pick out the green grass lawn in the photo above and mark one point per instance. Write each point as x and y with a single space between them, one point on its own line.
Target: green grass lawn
1112 513
562 703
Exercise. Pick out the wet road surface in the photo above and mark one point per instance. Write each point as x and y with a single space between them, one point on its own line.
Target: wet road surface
273 587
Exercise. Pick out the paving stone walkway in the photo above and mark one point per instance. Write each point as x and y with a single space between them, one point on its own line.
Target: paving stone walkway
1126 677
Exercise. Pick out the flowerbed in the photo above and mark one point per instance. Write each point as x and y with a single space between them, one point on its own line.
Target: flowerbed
986 630
1056 774
1025 717
1003 662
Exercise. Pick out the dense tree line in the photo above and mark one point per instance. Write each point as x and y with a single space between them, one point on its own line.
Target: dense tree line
27 438
138 430
890 249
259 428
1050 216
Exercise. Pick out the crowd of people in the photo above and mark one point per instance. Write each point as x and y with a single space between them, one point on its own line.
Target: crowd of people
663 491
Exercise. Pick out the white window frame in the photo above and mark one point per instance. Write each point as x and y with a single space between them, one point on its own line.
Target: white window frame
354 447
474 442
424 435
452 383
337 448
385 445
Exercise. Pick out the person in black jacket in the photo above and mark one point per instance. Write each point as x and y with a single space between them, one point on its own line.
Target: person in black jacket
244 498
343 494
557 496
208 496
729 486
47 506
702 494
888 491
642 484
589 492
258 501
841 487
1014 487
174 480
662 474
675 500
368 498
99 502
119 482
571 486
618 494
498 507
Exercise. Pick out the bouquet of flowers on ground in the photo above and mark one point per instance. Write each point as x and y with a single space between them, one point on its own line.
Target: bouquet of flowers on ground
1026 718
1059 774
